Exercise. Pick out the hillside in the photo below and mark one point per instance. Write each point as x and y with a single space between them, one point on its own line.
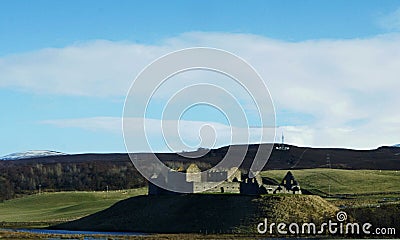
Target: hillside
368 186
214 213
340 181
384 158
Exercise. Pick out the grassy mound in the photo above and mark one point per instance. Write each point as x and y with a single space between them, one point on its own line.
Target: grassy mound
211 213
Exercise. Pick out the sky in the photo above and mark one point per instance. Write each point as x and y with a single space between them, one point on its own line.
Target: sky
332 69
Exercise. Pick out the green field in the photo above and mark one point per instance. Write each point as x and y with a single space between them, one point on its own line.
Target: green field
60 206
337 181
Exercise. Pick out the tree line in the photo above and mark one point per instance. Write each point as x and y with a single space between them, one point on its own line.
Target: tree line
20 179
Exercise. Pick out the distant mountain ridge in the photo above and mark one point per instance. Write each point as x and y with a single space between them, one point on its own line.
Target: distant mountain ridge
292 157
31 154
397 145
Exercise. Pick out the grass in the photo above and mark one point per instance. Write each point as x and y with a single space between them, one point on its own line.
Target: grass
367 188
339 181
60 206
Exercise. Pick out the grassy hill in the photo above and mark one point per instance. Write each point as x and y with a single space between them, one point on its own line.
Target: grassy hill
374 193
342 181
212 213
60 206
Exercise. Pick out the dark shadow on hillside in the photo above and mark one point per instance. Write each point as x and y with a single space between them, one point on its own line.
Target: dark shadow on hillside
170 214
201 213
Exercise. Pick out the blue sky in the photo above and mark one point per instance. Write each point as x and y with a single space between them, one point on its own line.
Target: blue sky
27 26
65 66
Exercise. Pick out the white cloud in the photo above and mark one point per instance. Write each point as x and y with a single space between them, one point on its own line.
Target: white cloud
103 124
337 82
191 133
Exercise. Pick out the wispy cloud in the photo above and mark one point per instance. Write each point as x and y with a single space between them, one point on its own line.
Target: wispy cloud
391 21
96 68
191 134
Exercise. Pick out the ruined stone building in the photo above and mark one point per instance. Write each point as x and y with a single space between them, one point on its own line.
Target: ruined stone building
224 181
288 185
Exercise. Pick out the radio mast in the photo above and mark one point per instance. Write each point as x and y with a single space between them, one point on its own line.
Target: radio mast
282 146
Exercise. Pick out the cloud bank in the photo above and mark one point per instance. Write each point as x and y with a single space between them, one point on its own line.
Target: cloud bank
349 88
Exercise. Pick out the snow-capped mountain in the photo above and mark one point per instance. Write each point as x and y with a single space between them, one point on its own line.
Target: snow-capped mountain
397 145
31 154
